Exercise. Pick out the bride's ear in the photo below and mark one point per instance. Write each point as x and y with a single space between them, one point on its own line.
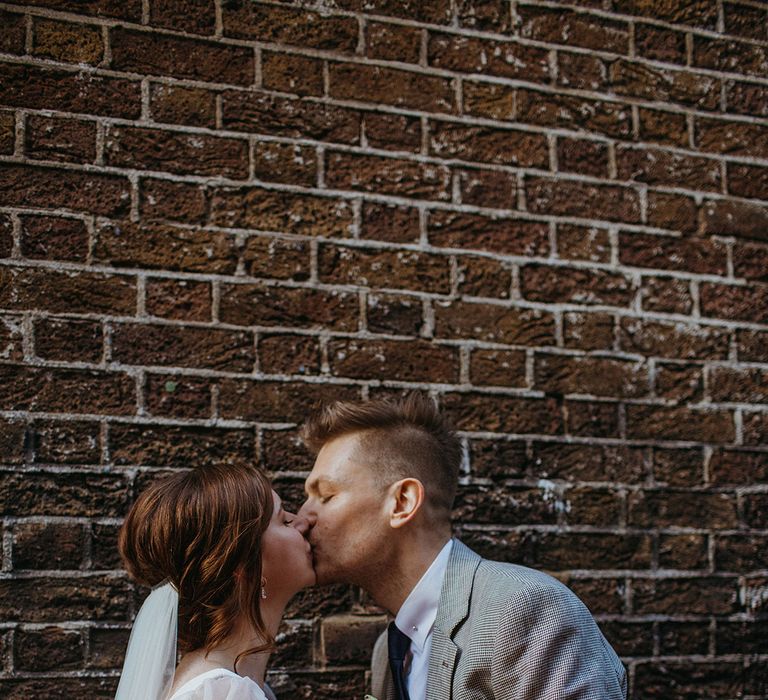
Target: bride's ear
407 499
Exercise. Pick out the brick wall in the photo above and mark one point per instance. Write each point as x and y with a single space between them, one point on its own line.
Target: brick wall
552 216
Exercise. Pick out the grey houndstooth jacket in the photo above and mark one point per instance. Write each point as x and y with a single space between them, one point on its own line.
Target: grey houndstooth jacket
507 632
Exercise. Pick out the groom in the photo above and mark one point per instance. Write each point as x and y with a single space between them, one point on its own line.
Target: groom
379 499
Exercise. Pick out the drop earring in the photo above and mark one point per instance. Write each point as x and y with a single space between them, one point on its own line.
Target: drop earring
263 588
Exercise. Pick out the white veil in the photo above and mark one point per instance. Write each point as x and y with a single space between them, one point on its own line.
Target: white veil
150 659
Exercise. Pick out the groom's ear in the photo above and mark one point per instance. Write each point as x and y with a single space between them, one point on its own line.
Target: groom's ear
407 499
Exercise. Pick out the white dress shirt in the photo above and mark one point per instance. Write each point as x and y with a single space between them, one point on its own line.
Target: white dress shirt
416 618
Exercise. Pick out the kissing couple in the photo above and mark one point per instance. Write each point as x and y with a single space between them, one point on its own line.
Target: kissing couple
224 558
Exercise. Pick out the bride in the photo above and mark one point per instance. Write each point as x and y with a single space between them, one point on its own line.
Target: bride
223 559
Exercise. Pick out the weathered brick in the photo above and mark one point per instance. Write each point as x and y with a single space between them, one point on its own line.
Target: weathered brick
346 683
283 450
7 132
49 238
488 145
144 344
592 419
104 550
728 55
584 157
658 167
493 322
263 113
492 412
289 354
752 346
487 188
180 57
680 638
471 54
184 300
384 268
746 385
493 234
755 428
159 246
590 506
678 340
740 552
394 132
48 545
666 128
194 16
747 303
498 367
14 34
601 595
746 98
588 331
488 15
399 88
573 198
150 149
394 314
68 494
756 510
285 162
346 639
118 9
257 304
277 258
682 509
393 42
300 75
48 649
483 277
107 647
489 100
678 551
176 446
728 466
390 222
59 688
698 13
283 212
661 423
67 42
502 458
567 551
28 186
702 255
739 637
12 441
576 463
731 138
680 383
747 180
703 595
42 88
182 105
562 284
628 638
732 218
583 243
68 340
561 26
50 138
178 396
411 361
512 505
435 12
174 201
672 211
678 467
406 178
66 442
556 374
660 43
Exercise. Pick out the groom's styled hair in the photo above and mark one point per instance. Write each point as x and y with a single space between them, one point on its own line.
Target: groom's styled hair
399 438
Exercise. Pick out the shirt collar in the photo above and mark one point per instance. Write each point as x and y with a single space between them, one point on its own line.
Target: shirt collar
417 614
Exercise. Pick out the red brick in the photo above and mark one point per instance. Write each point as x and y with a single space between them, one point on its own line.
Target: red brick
467 54
698 255
277 402
104 551
562 26
410 361
488 145
300 75
756 510
345 638
492 412
119 9
739 303
668 128
731 138
603 595
176 446
390 222
289 354
12 441
746 21
160 54
502 458
706 596
405 178
740 637
580 550
182 105
59 688
143 344
752 346
629 638
495 234
174 201
487 188
592 419
399 88
68 340
562 284
49 238
733 218
282 212
66 292
489 100
184 300
67 42
661 423
484 15
13 38
682 551
555 374
582 71
178 396
483 277
285 162
739 552
682 509
194 16
746 98
434 12
672 211
492 322
11 338
66 391
583 243
583 157
48 649
42 88
393 42
394 314
681 383
588 331
755 428
277 258
513 505
289 25
498 367
678 340
48 545
394 132
611 119
160 246
257 304
7 132
726 55
384 268
678 467
678 679
21 185
263 113
747 180
739 467
743 385
572 198
588 506
662 85
660 44
589 462
658 167
69 140
698 13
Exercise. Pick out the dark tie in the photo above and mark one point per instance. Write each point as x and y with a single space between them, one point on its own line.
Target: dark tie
399 644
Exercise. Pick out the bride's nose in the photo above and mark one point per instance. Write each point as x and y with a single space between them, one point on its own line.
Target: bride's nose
301 523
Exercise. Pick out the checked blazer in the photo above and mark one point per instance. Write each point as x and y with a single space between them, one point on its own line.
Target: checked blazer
507 632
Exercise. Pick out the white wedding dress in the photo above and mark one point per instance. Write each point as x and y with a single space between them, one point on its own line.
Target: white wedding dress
219 684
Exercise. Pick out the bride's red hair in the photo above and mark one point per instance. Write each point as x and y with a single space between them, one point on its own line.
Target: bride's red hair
201 530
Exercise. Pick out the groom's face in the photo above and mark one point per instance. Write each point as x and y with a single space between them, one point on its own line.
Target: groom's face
347 513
